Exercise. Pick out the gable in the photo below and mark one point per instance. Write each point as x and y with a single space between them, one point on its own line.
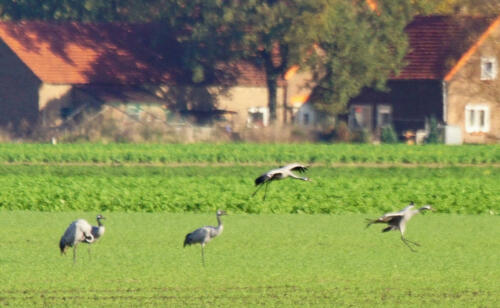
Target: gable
437 43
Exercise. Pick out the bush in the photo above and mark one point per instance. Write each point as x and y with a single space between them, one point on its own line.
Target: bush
435 133
362 136
388 135
342 132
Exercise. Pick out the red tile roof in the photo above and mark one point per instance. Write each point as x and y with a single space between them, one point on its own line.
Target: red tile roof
108 53
438 42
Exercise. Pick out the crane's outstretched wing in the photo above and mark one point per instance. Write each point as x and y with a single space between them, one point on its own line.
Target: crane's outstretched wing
386 218
296 167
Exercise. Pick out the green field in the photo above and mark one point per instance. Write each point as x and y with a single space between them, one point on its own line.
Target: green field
259 260
249 153
305 246
467 190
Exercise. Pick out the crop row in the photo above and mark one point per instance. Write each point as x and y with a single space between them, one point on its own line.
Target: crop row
248 153
468 190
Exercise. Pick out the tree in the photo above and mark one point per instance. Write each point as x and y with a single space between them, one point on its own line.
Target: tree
454 7
82 10
358 47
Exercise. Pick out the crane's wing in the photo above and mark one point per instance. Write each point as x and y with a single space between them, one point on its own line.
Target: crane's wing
197 236
389 216
386 218
296 167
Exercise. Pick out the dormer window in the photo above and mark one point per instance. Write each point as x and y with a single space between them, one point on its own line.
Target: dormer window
488 68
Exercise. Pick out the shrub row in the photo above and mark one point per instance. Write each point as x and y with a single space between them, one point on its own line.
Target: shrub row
248 153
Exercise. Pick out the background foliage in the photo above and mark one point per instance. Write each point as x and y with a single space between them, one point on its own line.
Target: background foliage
471 190
249 153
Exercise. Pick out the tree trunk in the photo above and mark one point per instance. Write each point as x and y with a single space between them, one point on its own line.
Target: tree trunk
272 75
272 91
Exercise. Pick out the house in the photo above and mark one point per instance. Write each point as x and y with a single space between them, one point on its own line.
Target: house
451 74
51 72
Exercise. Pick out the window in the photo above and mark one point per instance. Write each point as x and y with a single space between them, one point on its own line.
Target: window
488 68
134 111
360 117
66 112
384 115
306 119
257 117
477 118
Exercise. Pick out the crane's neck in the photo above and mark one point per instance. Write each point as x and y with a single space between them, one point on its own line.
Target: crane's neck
219 227
99 223
412 213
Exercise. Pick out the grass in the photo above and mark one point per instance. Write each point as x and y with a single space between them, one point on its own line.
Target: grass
259 260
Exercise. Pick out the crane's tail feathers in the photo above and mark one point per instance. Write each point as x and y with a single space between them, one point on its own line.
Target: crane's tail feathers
187 240
62 246
261 179
388 229
89 238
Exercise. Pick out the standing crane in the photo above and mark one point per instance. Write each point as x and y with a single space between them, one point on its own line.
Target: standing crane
205 234
398 220
279 174
80 231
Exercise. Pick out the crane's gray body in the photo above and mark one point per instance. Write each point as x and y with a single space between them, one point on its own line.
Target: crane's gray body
203 235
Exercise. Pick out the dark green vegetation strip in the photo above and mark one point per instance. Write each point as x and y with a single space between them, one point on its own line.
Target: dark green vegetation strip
470 190
249 153
259 260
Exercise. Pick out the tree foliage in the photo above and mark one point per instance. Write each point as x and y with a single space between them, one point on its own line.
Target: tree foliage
82 10
357 47
453 7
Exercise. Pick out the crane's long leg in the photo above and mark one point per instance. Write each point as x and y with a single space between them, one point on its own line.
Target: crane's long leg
265 192
259 187
202 255
407 244
414 243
